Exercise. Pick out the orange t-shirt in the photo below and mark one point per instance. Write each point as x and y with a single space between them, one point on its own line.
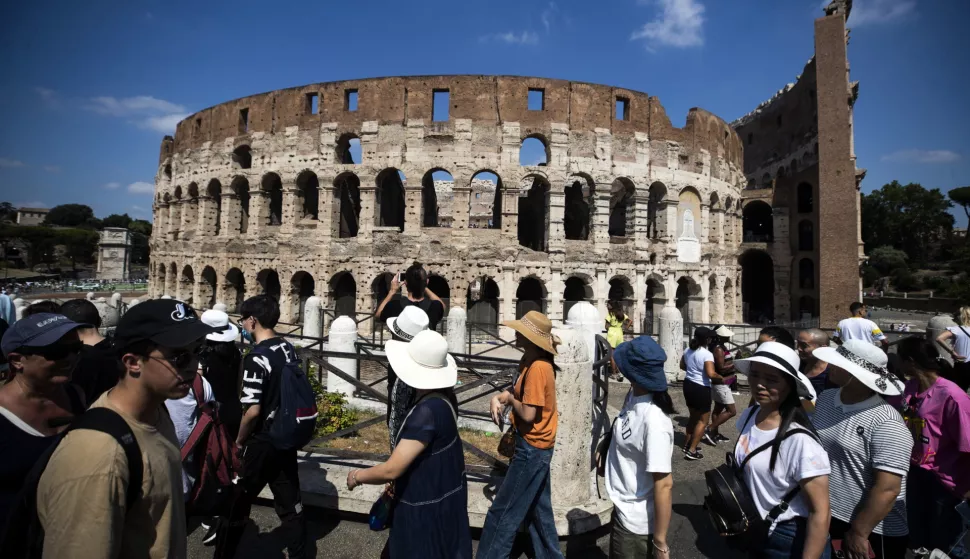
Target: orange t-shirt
540 391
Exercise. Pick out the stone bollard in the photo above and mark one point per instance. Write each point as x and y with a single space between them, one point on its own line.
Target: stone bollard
90 296
18 306
133 303
456 334
936 326
220 306
313 318
585 318
165 297
343 335
672 341
571 465
116 300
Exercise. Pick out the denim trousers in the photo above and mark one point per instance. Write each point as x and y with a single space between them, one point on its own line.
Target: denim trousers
525 495
788 540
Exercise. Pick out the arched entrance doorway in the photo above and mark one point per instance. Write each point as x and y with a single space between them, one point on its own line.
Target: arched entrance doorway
757 287
530 296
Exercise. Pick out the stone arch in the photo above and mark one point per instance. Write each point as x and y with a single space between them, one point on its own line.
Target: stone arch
308 189
348 150
656 226
622 207
240 189
207 288
178 193
437 195
214 192
380 287
757 286
794 166
688 299
439 286
576 288
654 300
530 296
621 291
160 280
782 173
302 287
485 201
805 196
714 200
346 206
187 285
533 223
171 280
193 191
807 307
757 222
272 186
242 157
343 293
806 235
234 289
482 303
579 207
806 273
269 283
534 151
766 180
167 169
389 199
730 302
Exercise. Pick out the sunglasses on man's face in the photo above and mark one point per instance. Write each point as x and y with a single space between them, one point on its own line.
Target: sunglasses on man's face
183 359
55 352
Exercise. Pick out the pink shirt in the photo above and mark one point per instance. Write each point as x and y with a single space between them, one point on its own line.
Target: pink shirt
939 420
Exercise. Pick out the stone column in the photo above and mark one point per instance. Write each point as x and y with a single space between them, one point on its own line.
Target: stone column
672 332
507 293
601 291
640 300
554 291
343 335
706 301
292 206
584 318
601 218
718 298
231 215
556 234
190 217
719 227
457 330
325 205
368 201
461 205
413 209
162 220
705 236
258 211
313 318
669 229
571 463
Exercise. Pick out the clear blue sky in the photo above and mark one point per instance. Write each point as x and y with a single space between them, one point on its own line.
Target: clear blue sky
89 88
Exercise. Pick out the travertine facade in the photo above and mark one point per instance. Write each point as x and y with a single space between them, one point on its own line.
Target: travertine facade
114 254
261 194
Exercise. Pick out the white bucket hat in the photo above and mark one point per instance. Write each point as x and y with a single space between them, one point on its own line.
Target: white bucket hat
423 363
865 362
407 324
723 332
228 331
784 359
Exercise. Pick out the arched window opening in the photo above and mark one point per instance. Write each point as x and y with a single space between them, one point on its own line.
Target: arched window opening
482 304
530 296
654 225
242 158
343 293
272 187
214 192
178 193
269 283
621 208
806 236
654 303
346 194
309 189
687 300
653 259
579 207
485 205
437 197
533 226
757 287
806 273
806 201
766 181
207 288
240 188
168 171
439 286
576 289
389 199
234 289
302 287
621 291
794 166
757 223
187 285
806 307
533 152
348 150
379 288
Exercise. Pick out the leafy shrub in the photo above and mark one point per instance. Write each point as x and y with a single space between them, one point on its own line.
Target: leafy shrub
937 283
870 275
904 280
334 414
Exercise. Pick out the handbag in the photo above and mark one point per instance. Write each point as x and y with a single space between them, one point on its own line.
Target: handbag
506 445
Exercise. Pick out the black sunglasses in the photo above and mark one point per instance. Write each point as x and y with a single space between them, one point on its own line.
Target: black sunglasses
181 360
55 352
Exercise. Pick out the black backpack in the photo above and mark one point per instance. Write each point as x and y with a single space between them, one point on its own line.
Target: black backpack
293 422
23 536
730 505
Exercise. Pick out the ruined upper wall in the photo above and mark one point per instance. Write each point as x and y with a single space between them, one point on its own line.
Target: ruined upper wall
484 100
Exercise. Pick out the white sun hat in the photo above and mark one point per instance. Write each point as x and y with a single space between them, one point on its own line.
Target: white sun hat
228 331
865 362
784 359
424 362
723 331
407 324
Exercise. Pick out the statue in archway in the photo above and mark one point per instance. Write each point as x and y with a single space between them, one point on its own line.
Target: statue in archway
688 246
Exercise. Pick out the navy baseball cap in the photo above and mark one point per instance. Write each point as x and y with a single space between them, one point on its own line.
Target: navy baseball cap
38 330
166 322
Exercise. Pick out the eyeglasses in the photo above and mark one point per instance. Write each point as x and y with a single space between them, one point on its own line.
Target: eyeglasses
54 352
182 360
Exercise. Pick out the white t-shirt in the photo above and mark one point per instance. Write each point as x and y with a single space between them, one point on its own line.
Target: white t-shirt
858 328
799 457
961 342
185 414
695 359
643 442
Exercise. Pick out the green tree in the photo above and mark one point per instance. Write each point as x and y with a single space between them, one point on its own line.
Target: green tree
141 226
140 251
886 259
72 215
904 280
115 220
906 217
7 211
80 245
41 243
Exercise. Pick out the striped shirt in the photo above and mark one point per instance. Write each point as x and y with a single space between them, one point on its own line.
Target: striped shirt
860 439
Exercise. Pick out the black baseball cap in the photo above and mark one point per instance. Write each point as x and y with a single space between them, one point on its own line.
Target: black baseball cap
166 322
37 330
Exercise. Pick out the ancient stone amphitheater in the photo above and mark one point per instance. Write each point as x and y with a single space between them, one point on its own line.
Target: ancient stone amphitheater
329 188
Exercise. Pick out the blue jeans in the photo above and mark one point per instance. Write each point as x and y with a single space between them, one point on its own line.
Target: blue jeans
788 540
524 495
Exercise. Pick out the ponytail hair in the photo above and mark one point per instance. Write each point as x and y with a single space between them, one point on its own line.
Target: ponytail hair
791 412
664 402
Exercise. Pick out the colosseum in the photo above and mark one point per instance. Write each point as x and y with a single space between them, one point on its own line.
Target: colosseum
516 193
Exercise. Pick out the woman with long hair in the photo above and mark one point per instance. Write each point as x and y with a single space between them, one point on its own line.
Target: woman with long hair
789 480
525 494
937 413
698 362
959 337
724 407
638 468
221 365
428 463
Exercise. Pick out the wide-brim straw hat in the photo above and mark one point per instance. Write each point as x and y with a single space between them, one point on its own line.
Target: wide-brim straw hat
537 328
782 358
228 331
409 323
865 362
424 362
723 331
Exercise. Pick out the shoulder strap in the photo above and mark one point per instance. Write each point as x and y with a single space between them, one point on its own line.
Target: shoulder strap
108 421
434 395
75 399
754 412
766 446
965 333
198 388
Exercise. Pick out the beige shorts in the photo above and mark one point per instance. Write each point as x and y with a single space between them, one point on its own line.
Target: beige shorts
721 394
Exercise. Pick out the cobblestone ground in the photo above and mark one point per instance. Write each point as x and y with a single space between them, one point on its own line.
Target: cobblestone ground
348 537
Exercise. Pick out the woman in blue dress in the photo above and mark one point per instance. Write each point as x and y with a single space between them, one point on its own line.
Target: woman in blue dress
430 518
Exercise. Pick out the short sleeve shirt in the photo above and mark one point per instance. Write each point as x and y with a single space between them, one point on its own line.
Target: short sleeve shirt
858 328
861 439
961 340
539 391
939 419
261 371
695 360
434 309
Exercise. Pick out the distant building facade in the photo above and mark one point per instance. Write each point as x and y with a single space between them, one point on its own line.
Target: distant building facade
31 216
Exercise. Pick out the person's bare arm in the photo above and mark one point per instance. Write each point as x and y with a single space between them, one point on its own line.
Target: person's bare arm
404 454
247 424
816 491
874 507
721 363
711 373
395 287
683 363
885 345
431 295
525 412
944 340
663 485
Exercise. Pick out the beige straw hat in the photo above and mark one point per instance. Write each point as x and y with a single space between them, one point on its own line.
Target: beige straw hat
537 328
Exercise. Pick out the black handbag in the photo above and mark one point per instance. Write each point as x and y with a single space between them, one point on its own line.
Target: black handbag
729 503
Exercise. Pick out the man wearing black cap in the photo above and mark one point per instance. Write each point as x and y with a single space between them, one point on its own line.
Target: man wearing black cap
81 497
